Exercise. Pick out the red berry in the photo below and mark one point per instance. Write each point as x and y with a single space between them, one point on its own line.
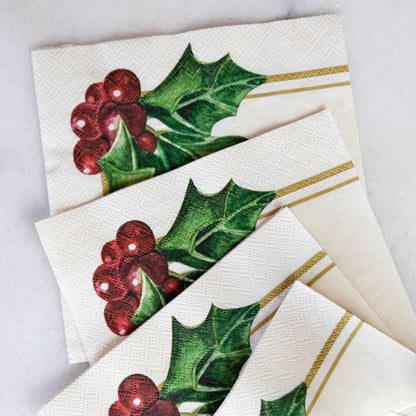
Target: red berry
122 86
117 409
138 392
107 283
163 407
84 121
133 116
147 141
118 313
153 264
173 286
135 238
111 252
88 152
95 93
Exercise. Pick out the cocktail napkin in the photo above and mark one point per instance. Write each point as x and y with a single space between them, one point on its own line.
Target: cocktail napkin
190 86
317 359
196 344
200 211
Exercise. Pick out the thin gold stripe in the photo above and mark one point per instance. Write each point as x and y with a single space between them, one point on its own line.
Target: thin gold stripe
314 179
333 366
307 198
325 191
327 347
290 76
292 278
293 90
397 413
104 184
263 322
319 275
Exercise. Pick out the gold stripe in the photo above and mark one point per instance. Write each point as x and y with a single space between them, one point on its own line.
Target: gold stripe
325 191
307 198
327 347
292 278
397 413
333 366
297 186
263 322
290 76
319 275
293 90
104 184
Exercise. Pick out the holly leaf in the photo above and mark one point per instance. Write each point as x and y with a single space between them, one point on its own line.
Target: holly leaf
206 359
122 164
195 95
293 404
151 300
209 226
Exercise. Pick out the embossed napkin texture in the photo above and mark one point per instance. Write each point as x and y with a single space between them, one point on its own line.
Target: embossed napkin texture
304 166
317 359
208 329
259 76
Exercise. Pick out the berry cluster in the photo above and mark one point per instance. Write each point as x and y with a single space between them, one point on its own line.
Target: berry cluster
118 280
95 121
138 395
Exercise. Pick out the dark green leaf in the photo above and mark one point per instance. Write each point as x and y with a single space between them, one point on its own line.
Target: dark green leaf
195 95
206 359
209 226
151 300
293 404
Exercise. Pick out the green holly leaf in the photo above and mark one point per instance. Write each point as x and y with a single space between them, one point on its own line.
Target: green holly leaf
293 404
195 95
209 226
206 359
151 300
122 164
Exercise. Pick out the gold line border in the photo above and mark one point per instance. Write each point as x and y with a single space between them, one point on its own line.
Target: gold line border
319 275
336 332
263 322
333 366
302 89
104 184
315 259
319 72
290 76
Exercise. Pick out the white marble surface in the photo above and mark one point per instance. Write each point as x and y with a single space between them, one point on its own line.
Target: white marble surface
381 38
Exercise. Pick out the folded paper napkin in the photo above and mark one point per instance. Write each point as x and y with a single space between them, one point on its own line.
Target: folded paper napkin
189 85
195 346
202 210
317 359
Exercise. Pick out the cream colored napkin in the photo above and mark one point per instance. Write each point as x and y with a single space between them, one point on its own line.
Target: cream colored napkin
306 166
208 329
279 71
317 359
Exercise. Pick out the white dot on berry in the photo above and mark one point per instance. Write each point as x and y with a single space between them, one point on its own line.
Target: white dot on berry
135 282
81 123
116 93
136 401
104 286
111 127
86 170
132 246
122 332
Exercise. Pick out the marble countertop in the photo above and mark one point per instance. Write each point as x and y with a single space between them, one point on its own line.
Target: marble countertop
380 37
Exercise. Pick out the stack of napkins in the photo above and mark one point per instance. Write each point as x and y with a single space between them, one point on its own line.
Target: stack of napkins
225 265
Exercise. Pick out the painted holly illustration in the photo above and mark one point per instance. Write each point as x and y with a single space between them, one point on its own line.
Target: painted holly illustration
205 362
135 277
293 404
116 140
